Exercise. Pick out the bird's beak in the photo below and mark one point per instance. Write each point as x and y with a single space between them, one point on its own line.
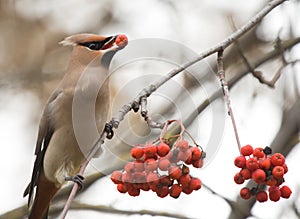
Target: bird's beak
110 44
115 43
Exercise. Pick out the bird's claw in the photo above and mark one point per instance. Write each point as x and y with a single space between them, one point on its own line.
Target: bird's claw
76 179
109 130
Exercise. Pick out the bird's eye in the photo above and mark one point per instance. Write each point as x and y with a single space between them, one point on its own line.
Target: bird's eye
93 45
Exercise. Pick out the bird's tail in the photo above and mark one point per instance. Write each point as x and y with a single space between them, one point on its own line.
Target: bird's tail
44 194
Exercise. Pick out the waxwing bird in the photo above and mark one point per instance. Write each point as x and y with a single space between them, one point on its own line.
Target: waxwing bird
72 119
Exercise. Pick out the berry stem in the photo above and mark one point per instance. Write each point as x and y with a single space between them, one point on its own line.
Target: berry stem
224 84
165 128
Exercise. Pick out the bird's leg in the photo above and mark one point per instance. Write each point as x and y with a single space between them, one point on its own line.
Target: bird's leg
109 130
76 179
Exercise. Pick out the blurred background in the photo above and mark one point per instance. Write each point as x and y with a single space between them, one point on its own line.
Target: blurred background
162 35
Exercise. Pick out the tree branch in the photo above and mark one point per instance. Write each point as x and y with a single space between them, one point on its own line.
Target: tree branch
153 87
224 84
111 210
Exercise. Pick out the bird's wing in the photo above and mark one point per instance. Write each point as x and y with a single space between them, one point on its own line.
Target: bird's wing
45 133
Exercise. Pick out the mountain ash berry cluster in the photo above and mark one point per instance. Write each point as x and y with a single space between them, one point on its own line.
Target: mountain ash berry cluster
264 169
161 169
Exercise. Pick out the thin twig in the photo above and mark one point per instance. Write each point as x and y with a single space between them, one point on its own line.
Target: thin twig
221 75
83 166
153 87
112 210
257 74
144 113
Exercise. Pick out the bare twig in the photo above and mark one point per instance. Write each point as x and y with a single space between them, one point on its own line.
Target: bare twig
144 113
81 171
111 210
153 87
257 74
221 74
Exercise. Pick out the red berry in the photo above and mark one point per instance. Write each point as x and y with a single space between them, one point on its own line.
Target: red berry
129 167
273 188
163 149
152 178
195 184
271 182
126 177
198 163
150 151
252 164
238 178
285 168
183 145
245 173
245 193
196 153
264 163
285 192
184 180
184 155
274 194
138 165
189 160
139 177
175 172
122 188
258 152
150 164
175 191
277 159
165 181
137 152
121 40
262 196
145 186
162 191
247 150
279 182
278 172
259 176
164 164
116 177
132 191
187 190
240 161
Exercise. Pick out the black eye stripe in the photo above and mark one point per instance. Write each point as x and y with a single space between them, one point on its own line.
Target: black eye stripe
96 45
93 45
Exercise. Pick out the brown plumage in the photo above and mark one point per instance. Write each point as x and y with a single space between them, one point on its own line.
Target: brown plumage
72 119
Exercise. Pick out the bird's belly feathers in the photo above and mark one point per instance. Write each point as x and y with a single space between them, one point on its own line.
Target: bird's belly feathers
63 156
78 122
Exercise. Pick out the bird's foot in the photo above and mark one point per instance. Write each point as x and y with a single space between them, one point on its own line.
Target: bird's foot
76 179
109 130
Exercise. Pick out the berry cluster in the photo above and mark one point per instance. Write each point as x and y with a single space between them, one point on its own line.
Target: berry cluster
264 169
161 169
